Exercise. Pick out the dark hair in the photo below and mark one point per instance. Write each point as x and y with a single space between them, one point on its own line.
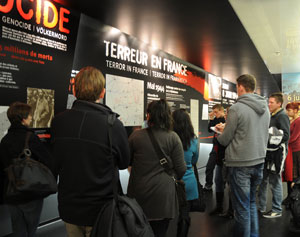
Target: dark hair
183 127
160 115
293 105
18 111
278 97
247 81
218 107
89 83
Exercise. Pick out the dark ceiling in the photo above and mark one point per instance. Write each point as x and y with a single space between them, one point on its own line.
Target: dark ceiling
206 33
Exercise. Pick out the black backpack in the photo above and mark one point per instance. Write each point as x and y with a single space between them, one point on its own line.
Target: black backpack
122 217
295 205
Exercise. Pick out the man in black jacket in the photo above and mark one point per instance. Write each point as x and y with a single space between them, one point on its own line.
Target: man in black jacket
84 161
276 153
216 116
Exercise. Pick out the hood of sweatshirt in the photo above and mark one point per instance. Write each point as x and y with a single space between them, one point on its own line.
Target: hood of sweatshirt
254 101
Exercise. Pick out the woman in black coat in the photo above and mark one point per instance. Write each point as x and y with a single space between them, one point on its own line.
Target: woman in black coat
25 215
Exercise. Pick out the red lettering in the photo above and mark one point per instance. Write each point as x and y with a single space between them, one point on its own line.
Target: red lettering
62 19
7 8
26 16
50 13
47 7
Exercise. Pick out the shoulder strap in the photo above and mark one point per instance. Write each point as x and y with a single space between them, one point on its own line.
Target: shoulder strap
27 139
26 151
162 159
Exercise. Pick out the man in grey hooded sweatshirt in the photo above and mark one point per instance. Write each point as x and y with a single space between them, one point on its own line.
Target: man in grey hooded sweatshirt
246 138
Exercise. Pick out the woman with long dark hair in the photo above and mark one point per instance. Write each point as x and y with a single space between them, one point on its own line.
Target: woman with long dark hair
184 128
149 183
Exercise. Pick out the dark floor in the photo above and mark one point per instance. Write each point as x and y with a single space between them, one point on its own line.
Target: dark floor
202 225
207 226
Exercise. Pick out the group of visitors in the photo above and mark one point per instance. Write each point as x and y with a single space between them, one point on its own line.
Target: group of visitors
256 136
85 142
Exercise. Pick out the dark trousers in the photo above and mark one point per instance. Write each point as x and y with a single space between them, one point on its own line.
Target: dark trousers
210 167
25 218
160 227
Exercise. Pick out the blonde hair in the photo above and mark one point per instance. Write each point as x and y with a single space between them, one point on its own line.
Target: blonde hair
89 83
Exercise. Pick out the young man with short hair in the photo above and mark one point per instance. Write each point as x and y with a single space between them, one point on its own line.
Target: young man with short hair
216 116
275 158
245 137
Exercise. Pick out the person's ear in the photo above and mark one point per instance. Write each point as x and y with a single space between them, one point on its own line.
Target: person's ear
102 94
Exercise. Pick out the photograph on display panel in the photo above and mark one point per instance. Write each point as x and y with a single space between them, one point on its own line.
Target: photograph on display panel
42 103
215 84
4 122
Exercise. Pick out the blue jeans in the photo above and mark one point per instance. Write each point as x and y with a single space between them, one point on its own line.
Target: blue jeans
243 184
25 218
276 188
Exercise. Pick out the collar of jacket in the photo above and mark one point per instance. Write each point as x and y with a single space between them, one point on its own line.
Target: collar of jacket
18 126
276 111
83 104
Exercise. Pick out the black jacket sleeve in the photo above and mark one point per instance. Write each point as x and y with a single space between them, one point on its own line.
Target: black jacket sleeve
120 145
2 173
284 124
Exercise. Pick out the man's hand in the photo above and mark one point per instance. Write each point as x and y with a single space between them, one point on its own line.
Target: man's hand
292 184
220 127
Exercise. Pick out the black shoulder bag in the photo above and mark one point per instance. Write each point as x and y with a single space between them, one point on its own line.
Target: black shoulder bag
184 219
28 179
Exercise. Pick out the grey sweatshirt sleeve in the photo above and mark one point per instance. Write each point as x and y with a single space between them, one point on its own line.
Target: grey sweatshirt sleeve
231 125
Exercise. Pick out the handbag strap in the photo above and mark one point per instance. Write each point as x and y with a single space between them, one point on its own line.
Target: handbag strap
197 176
162 159
26 150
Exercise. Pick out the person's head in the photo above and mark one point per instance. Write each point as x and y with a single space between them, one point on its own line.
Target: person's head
292 109
245 84
275 101
89 84
19 113
182 125
218 110
159 115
